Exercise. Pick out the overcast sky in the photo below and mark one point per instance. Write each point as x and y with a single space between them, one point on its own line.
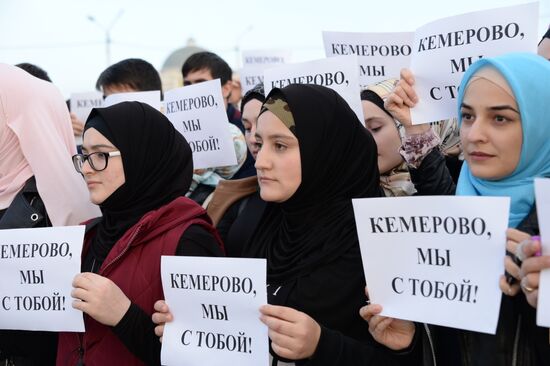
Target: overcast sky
58 36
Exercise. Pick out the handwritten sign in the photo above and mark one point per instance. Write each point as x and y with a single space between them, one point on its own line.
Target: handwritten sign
82 104
428 257
215 303
37 267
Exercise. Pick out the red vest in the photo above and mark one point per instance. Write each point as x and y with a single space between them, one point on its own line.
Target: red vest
133 264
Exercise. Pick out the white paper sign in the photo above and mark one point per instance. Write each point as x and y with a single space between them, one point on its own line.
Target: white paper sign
82 104
338 73
198 113
443 50
428 257
542 193
37 267
381 55
215 303
256 62
148 97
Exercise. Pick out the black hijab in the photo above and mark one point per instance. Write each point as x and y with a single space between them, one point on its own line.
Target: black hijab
310 241
374 98
157 163
339 162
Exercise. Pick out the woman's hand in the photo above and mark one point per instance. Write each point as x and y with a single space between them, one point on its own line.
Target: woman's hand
396 334
530 270
294 335
100 298
513 239
401 100
161 317
78 125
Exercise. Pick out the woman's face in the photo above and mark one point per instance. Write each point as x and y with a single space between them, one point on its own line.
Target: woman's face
251 110
278 161
383 129
491 132
101 184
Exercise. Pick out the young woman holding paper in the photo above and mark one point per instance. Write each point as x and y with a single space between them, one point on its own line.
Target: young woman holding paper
503 109
390 134
314 157
138 169
38 186
236 206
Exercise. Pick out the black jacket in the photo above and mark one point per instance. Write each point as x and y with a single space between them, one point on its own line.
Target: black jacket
26 348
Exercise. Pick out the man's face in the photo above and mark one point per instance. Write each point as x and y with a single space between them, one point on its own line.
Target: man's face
116 88
198 76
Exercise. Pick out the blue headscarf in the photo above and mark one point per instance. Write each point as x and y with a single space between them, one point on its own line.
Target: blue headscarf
528 75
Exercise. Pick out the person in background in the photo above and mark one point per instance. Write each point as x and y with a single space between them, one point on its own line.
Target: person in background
236 206
503 111
204 66
236 92
126 76
544 46
138 169
35 71
38 186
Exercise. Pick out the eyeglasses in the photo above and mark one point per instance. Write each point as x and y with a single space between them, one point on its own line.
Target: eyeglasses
98 160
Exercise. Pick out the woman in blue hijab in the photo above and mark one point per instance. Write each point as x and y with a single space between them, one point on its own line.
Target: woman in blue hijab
504 117
525 80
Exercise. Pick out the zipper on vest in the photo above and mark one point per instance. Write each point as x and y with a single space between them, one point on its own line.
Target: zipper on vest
516 342
429 334
125 249
80 351
80 357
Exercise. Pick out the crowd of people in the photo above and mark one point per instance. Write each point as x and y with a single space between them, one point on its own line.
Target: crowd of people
302 156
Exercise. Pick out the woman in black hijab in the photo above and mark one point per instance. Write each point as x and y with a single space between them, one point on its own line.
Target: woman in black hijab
236 206
138 169
315 157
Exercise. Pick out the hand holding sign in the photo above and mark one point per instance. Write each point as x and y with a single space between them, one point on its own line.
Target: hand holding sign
215 304
401 100
446 256
36 267
531 270
78 125
100 298
161 317
509 284
294 335
396 334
